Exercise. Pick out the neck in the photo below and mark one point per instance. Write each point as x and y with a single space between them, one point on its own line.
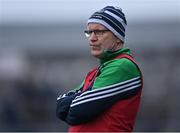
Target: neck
115 47
108 55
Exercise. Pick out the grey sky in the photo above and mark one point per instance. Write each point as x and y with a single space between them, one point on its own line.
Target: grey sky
34 11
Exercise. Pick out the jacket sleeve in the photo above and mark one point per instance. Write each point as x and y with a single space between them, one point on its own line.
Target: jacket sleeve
63 104
113 84
64 101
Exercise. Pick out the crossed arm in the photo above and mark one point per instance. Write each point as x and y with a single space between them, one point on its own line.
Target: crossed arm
78 107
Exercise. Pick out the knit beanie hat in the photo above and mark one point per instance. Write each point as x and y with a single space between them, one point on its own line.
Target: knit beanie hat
112 18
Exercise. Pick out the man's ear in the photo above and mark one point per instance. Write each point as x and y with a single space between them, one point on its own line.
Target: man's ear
119 41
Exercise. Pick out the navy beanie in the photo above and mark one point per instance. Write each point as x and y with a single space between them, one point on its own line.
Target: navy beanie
113 19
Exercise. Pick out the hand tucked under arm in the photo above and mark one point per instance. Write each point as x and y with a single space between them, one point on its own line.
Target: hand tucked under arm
90 104
63 104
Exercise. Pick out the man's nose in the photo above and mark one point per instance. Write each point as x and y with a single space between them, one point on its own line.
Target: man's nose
92 37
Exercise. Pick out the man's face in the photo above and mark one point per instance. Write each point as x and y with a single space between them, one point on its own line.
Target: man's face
101 41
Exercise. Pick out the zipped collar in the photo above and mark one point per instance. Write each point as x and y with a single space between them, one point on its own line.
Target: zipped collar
109 55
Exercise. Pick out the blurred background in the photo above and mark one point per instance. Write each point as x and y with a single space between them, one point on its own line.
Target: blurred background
43 53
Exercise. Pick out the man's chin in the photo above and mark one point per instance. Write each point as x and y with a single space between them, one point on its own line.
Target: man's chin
96 54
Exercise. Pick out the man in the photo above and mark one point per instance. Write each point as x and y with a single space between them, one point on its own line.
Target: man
109 97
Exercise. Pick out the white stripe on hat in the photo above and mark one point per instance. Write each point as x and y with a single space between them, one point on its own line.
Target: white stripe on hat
116 17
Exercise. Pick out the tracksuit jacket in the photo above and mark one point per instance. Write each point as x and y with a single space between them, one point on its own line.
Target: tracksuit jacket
108 99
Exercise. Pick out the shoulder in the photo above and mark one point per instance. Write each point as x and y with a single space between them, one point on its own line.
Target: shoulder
119 64
116 71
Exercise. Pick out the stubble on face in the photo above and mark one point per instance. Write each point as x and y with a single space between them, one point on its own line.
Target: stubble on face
100 44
